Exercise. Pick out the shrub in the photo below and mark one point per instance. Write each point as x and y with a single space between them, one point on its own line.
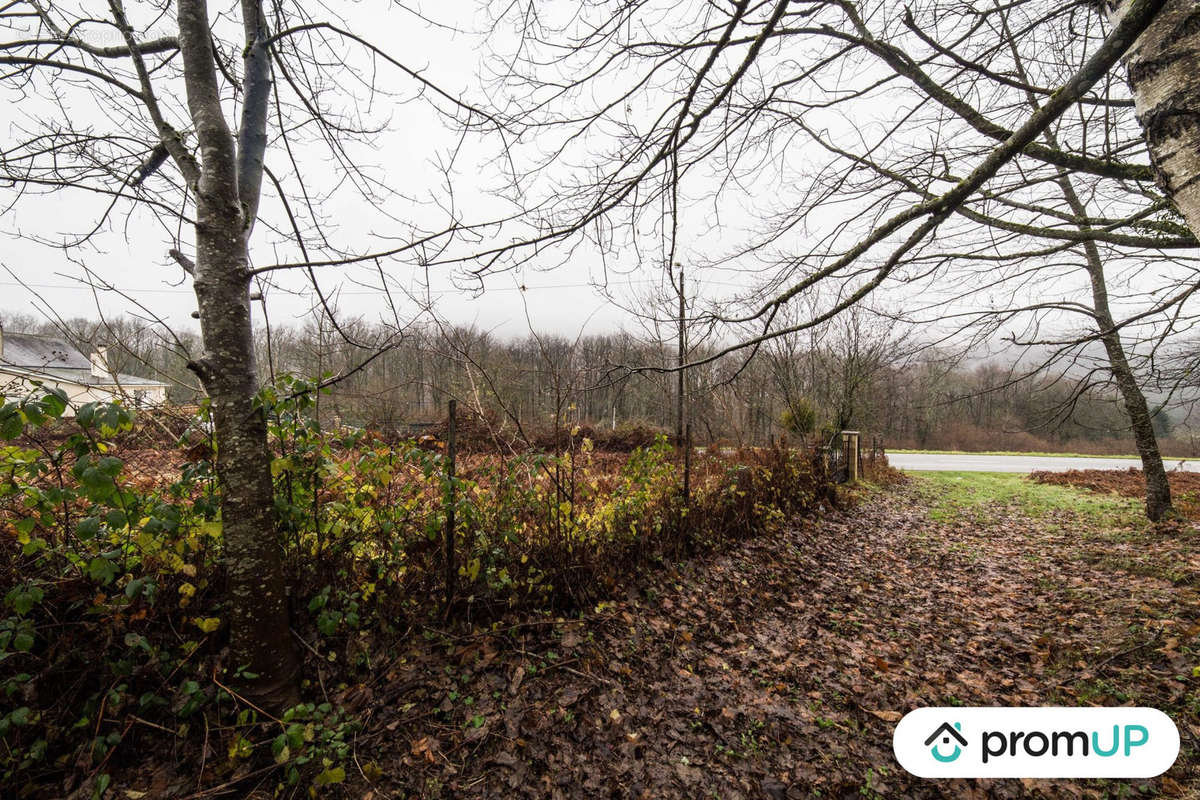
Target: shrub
799 418
113 625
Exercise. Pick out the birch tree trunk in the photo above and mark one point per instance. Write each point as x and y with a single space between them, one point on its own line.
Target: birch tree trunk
1163 74
226 185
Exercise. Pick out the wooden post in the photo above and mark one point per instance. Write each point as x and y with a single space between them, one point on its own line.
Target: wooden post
850 449
680 361
687 480
687 465
451 567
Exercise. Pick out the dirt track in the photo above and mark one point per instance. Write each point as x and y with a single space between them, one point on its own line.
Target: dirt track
778 670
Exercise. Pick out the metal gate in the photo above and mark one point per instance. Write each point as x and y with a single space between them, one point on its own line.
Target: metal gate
836 463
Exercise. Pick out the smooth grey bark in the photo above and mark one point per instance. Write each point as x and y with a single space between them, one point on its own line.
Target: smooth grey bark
1165 79
226 188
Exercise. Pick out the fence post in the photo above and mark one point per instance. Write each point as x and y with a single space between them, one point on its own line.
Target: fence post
850 448
687 466
451 452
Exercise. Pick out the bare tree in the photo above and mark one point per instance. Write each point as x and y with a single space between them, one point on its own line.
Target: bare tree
188 107
946 159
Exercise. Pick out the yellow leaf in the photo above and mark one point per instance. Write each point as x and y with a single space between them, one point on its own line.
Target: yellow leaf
331 775
207 624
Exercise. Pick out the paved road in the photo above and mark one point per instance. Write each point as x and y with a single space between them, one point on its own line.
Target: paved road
929 462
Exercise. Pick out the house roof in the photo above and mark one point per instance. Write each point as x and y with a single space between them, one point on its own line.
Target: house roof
27 350
48 357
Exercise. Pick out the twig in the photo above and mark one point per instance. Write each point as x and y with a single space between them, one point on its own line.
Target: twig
1133 649
147 722
589 676
237 696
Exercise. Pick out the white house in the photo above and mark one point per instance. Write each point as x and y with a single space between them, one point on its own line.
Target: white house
54 362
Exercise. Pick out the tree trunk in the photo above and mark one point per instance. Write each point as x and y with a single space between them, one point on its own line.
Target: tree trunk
1158 489
1162 72
258 618
259 628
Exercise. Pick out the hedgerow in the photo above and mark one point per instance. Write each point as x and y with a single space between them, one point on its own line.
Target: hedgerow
113 627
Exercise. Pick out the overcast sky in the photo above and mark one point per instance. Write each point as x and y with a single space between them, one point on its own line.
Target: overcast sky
132 254
447 42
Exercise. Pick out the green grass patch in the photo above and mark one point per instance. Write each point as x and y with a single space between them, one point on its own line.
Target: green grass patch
976 495
1035 454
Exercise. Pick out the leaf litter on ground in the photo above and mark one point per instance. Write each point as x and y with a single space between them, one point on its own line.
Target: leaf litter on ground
779 668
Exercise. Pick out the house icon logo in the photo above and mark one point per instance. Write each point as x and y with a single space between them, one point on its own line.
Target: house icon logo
945 732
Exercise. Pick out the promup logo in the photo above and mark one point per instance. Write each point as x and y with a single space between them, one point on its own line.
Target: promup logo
946 732
1048 742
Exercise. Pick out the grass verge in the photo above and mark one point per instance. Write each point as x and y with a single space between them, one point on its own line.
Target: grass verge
1033 454
976 495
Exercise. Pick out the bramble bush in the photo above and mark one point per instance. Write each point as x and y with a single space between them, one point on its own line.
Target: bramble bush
112 632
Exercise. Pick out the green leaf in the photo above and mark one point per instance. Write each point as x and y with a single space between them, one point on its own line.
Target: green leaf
331 775
11 424
295 735
55 402
93 478
86 415
88 528
22 599
110 466
101 569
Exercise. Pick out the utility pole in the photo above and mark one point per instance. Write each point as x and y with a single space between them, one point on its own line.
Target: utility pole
682 359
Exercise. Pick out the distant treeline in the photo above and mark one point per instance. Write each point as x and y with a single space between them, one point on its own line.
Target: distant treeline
853 373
